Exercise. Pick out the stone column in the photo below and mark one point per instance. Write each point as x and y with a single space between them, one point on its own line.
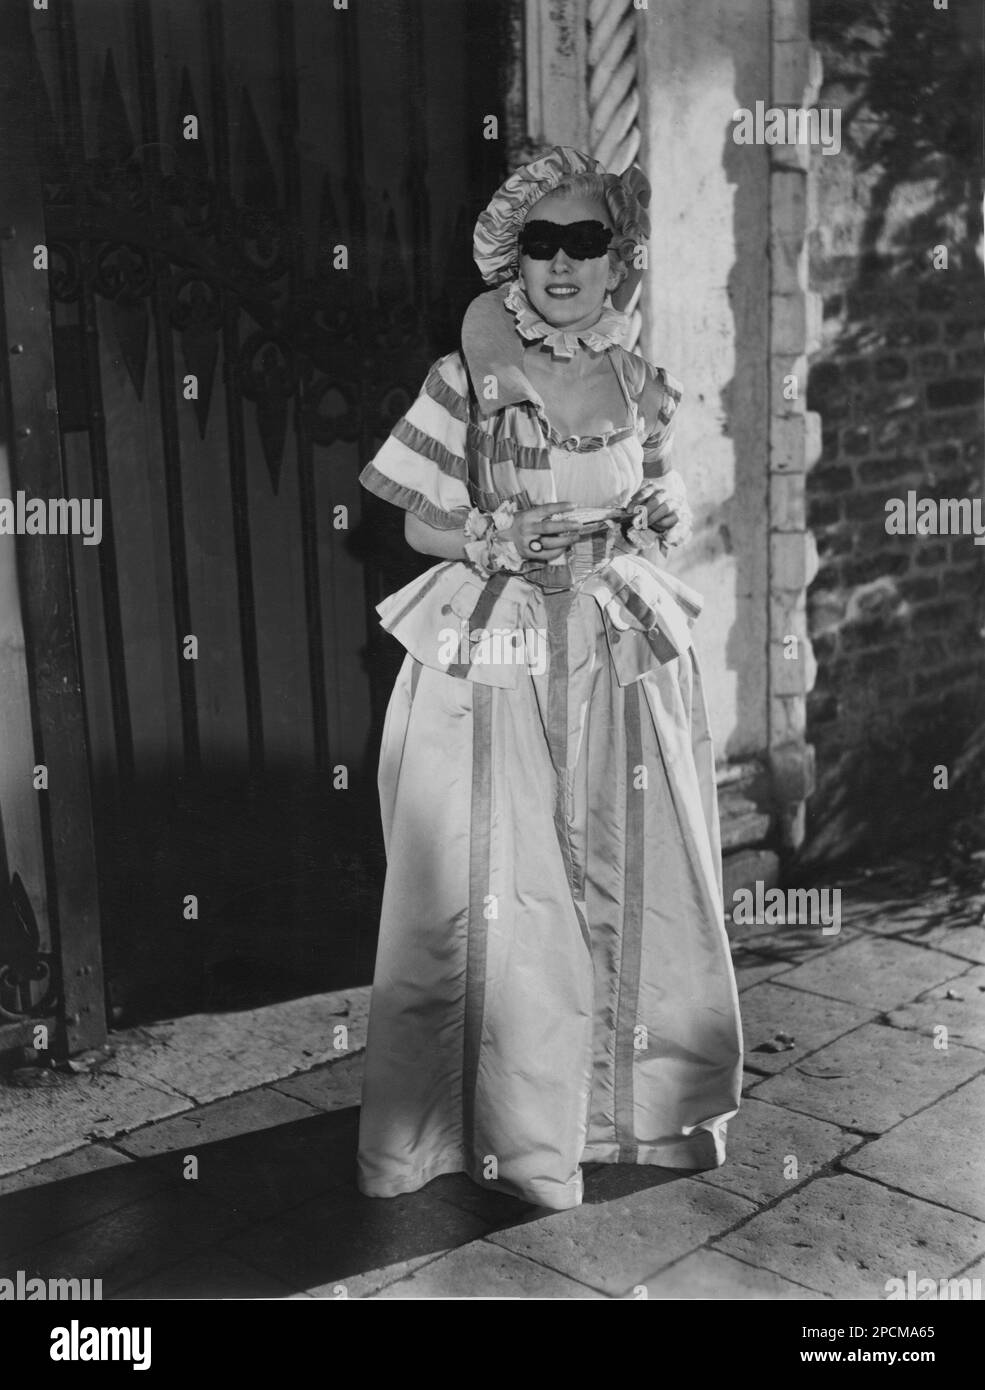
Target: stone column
555 40
795 434
706 312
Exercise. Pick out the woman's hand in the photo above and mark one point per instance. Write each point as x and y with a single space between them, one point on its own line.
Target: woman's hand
538 538
660 516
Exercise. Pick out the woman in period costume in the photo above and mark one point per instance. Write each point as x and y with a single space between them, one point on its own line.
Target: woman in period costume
553 983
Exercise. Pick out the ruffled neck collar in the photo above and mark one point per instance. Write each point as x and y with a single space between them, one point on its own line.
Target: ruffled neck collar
611 329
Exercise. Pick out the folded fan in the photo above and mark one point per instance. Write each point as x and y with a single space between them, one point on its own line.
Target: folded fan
592 516
592 519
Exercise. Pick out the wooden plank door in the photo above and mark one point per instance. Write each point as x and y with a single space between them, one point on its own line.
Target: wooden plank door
50 950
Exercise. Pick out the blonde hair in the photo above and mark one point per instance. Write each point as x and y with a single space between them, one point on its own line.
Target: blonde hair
597 188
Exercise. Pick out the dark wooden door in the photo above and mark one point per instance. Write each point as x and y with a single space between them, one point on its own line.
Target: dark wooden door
258 216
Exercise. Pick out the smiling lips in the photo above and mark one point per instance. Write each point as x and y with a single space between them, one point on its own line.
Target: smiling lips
561 291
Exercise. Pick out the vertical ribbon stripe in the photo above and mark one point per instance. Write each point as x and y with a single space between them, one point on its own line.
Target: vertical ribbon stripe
630 957
480 827
558 610
481 614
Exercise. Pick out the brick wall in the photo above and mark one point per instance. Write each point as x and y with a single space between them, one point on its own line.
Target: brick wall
897 623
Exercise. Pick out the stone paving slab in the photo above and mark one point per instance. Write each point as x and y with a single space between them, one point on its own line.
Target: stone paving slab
331 1239
963 1016
792 941
973 1273
248 1113
274 1170
207 1056
809 1019
762 1139
43 1211
608 1182
162 1069
894 916
214 1055
846 1237
937 1155
333 1087
877 974
40 1122
708 1274
494 1207
968 942
616 1245
751 969
872 1078
209 1274
310 1024
90 1158
483 1270
131 1242
373 1280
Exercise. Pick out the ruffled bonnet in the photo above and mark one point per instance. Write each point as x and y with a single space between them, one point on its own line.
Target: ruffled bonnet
494 243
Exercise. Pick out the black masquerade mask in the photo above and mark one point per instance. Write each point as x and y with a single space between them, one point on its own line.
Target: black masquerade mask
581 241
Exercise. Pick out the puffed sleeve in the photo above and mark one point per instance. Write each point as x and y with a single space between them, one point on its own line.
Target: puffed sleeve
657 395
421 466
658 401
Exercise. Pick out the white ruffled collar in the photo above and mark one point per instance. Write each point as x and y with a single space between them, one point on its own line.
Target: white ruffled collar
609 330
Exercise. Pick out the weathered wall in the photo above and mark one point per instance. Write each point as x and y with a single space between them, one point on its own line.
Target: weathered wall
897 621
706 300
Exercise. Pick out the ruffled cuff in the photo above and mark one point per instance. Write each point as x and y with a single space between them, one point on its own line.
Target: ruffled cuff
480 525
488 550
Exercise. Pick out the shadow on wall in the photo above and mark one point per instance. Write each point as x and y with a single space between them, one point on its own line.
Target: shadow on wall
897 622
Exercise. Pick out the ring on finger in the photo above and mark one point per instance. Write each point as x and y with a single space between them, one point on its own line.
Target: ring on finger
536 545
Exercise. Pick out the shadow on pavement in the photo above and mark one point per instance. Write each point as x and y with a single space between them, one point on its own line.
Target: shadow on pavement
270 1214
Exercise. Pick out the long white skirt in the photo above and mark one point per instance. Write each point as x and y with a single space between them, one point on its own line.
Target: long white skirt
553 982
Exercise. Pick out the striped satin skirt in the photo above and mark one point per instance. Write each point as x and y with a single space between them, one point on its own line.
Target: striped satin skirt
553 982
